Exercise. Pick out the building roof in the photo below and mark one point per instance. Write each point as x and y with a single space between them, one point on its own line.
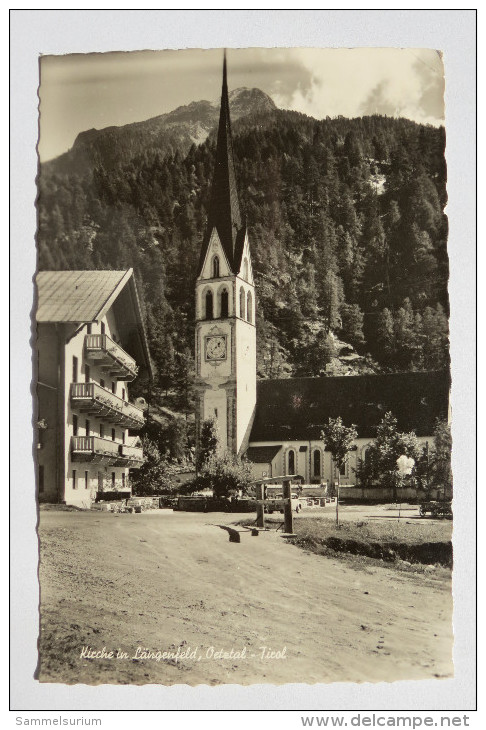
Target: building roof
224 208
262 454
297 408
77 296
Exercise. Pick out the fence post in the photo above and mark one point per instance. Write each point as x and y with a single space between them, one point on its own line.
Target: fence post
260 492
287 495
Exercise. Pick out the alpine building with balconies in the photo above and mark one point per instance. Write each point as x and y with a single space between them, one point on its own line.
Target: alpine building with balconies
91 345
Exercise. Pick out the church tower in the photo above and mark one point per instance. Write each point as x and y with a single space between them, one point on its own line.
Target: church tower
225 306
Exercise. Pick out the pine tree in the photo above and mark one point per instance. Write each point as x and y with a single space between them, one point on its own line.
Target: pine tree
208 443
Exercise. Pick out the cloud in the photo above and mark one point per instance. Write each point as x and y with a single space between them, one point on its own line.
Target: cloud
357 82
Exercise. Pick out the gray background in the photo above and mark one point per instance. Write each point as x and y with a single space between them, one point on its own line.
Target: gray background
35 32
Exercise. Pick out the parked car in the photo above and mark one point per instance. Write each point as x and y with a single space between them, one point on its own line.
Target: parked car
296 502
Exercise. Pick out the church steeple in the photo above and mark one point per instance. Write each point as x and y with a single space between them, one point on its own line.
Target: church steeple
224 210
225 347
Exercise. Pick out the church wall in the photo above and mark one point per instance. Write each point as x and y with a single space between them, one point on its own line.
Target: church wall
215 406
305 466
215 249
216 287
246 378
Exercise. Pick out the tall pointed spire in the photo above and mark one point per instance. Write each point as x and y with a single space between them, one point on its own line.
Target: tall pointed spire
224 209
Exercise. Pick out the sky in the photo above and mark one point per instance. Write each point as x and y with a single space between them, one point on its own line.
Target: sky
84 91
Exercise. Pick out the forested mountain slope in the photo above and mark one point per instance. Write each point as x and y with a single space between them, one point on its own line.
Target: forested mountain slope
346 222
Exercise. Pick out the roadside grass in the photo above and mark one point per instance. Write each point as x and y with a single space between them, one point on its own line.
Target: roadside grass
407 543
50 507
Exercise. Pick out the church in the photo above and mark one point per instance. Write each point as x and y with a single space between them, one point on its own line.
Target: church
276 424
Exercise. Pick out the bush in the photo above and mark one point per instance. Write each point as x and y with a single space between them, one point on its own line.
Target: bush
224 475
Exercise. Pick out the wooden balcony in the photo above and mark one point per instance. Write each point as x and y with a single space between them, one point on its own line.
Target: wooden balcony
94 400
112 359
94 448
133 454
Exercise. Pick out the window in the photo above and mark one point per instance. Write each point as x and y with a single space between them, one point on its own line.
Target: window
102 382
224 303
75 484
88 328
75 369
113 479
113 387
113 434
342 470
209 305
123 393
87 427
86 479
86 373
245 269
291 458
41 478
102 328
123 479
215 412
75 425
215 267
317 463
123 437
242 303
249 307
102 430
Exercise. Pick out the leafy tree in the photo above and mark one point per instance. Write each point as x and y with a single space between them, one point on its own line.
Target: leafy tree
225 475
380 463
339 440
441 458
152 477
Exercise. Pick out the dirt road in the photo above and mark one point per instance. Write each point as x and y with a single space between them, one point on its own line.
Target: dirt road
174 583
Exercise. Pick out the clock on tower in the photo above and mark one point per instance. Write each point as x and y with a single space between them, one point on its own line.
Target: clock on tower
216 347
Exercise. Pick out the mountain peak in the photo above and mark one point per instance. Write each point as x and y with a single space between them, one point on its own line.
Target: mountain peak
188 124
244 100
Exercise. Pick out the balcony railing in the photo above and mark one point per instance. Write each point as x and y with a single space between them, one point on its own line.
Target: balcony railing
104 451
91 398
134 455
95 448
110 356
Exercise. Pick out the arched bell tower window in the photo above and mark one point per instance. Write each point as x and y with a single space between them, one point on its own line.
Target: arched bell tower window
215 267
209 305
291 461
317 463
242 303
224 304
249 307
